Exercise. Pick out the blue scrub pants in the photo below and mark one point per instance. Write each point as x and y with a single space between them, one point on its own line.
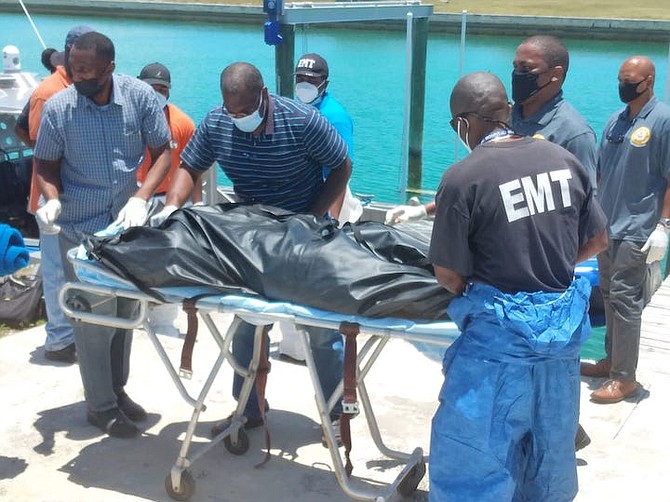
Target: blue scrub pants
505 432
506 424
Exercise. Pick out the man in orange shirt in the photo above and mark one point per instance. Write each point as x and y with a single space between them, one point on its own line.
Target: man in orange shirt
182 128
59 345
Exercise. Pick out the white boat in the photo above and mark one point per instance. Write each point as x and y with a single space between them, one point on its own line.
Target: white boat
16 86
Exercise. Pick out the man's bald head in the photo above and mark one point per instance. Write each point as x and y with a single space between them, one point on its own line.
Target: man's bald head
639 65
481 93
241 80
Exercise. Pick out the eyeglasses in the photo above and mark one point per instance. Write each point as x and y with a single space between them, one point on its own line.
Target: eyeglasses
615 138
454 120
617 132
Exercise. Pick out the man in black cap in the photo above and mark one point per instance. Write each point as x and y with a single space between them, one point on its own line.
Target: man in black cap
311 82
182 128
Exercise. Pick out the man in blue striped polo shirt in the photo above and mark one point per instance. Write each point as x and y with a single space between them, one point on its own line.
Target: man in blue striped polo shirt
273 149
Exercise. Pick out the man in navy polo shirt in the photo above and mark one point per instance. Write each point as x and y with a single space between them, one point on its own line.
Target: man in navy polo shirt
634 168
273 149
540 66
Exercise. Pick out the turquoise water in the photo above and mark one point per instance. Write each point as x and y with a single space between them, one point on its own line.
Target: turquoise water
367 76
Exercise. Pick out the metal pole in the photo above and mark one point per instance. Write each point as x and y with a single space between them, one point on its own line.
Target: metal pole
408 91
461 59
284 54
39 37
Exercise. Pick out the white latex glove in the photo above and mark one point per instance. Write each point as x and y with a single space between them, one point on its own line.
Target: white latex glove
161 216
403 214
657 244
46 217
133 214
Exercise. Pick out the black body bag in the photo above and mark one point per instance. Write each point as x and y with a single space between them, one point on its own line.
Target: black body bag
367 269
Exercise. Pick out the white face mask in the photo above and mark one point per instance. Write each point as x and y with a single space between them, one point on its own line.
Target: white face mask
162 100
306 92
467 136
249 123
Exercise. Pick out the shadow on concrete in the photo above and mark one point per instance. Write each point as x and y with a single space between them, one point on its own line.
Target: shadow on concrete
139 466
37 358
10 467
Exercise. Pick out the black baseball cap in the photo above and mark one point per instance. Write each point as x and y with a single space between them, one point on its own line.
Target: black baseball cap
312 65
155 73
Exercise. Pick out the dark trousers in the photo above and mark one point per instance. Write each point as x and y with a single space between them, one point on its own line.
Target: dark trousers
626 283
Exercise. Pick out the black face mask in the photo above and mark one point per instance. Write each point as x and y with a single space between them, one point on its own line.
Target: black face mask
628 91
524 85
88 87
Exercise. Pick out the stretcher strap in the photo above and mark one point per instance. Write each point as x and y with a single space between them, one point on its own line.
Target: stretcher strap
261 381
191 334
350 399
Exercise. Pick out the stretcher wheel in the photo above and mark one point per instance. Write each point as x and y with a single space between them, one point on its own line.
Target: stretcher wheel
242 445
186 486
409 483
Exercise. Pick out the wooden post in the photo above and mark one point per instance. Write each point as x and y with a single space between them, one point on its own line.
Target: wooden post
418 98
284 53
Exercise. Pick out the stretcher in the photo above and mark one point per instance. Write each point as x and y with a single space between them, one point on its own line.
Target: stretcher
95 279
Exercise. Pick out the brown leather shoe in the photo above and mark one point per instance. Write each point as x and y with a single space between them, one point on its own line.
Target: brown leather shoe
614 391
601 369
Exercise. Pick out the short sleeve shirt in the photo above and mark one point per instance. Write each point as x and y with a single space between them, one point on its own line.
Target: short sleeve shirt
513 215
634 166
282 167
181 129
100 149
558 121
341 120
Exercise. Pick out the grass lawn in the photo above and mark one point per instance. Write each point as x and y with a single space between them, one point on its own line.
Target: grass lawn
641 9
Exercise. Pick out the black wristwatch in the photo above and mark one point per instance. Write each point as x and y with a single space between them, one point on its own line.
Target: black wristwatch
665 222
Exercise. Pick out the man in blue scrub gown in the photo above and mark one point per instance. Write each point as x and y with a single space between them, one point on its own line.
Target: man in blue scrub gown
512 220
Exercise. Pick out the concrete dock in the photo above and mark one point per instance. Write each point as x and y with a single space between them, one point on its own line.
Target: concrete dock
48 452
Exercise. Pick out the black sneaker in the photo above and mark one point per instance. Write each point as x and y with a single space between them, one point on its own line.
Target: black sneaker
251 423
335 423
582 439
113 422
67 355
133 411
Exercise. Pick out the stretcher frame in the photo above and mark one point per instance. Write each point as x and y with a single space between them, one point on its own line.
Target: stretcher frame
179 483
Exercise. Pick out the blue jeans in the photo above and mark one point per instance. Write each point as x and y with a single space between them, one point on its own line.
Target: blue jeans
103 352
327 349
58 327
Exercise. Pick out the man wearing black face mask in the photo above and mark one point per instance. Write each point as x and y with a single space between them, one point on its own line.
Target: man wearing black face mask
91 141
540 67
634 168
